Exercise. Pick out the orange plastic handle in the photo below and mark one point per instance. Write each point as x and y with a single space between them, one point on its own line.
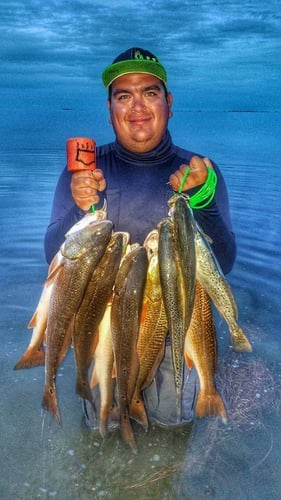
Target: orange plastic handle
81 154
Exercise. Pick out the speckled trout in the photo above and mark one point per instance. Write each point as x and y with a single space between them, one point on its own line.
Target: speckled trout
185 249
82 251
173 300
210 275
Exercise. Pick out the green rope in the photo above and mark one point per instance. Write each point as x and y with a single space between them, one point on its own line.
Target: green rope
206 193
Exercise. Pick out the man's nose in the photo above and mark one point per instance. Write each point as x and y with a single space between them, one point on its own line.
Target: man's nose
138 102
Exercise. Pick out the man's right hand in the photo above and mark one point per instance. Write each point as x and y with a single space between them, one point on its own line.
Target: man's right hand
85 186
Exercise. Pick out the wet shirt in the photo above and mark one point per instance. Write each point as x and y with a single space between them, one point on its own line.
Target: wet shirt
137 197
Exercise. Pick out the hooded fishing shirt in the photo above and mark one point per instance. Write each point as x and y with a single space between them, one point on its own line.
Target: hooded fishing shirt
137 197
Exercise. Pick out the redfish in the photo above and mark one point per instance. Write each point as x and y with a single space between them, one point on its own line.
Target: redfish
82 251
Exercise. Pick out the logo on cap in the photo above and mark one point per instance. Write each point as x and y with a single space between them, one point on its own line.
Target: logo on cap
139 55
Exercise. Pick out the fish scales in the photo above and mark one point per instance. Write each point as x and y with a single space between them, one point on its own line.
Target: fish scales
152 331
201 350
91 310
209 274
185 248
173 300
88 245
125 319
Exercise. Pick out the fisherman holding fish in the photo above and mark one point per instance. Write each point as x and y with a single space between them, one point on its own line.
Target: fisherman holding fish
137 175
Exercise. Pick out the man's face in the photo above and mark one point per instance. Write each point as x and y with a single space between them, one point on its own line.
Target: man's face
139 111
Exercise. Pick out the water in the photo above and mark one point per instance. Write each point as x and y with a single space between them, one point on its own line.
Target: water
232 116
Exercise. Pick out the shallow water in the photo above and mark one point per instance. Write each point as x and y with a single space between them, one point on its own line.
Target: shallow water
239 460
223 62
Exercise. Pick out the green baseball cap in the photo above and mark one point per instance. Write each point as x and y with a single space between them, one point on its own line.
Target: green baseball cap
134 60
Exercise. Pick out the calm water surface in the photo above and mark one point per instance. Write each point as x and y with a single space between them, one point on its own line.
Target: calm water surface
209 460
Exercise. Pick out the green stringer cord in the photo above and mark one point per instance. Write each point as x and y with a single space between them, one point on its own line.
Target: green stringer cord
206 193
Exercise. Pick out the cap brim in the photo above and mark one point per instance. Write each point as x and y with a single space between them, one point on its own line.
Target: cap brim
133 66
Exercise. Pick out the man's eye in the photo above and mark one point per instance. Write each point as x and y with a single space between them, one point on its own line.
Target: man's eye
123 97
151 93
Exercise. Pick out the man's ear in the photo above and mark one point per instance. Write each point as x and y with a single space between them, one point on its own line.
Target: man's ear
109 109
170 103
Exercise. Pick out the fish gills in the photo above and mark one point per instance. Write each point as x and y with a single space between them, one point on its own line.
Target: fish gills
201 350
125 320
89 245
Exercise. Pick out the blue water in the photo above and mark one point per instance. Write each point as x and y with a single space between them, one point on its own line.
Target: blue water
227 106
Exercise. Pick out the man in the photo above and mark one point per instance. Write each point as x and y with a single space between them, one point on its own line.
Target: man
138 174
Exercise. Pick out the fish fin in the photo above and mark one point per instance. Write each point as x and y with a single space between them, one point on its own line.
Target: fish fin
94 379
137 411
127 431
50 403
103 422
210 404
107 413
32 323
83 389
188 360
53 272
31 357
240 343
114 374
150 376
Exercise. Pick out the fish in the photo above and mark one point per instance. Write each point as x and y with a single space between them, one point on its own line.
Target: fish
91 310
211 277
34 355
82 251
103 372
152 331
125 320
89 217
200 350
172 298
185 249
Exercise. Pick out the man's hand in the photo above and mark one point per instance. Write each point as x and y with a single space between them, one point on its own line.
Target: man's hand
197 175
85 185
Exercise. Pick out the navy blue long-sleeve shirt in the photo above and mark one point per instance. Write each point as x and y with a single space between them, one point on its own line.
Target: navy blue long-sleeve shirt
137 197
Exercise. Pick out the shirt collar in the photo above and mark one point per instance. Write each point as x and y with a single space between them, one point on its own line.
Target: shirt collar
162 152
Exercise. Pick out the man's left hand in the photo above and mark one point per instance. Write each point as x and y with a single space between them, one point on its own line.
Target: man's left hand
197 175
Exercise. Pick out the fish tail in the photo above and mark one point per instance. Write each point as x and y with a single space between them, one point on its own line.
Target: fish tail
127 431
50 403
108 414
240 343
83 389
31 357
138 412
210 404
104 413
